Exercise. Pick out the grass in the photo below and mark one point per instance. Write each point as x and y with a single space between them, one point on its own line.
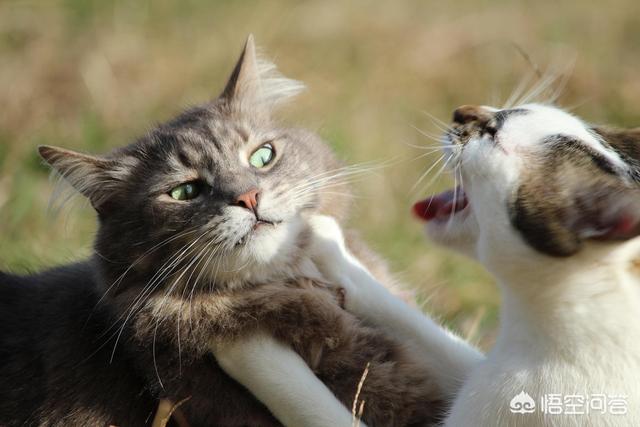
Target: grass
91 75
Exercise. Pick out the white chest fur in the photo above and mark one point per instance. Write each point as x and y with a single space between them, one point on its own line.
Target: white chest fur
570 340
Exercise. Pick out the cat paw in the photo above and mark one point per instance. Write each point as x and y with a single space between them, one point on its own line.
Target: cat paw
327 235
337 292
328 250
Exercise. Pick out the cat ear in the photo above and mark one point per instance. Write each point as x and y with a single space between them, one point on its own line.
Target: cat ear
611 216
559 226
542 225
93 177
625 141
256 82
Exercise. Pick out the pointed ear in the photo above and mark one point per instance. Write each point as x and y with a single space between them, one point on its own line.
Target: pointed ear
91 176
245 77
256 82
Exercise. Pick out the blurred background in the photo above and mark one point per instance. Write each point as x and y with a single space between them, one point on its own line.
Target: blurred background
92 75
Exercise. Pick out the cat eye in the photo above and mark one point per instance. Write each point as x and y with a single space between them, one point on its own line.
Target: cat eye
186 191
262 156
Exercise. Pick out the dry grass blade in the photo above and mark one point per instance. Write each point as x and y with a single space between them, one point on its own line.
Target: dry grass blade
356 411
166 410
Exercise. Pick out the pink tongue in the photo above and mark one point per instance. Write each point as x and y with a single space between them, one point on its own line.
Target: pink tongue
441 206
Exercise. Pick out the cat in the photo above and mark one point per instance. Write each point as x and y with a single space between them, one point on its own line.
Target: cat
203 229
550 205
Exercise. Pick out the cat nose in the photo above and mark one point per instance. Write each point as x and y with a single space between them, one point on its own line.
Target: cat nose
248 200
471 113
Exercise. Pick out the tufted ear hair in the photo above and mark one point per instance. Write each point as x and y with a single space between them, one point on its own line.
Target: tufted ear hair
94 177
256 82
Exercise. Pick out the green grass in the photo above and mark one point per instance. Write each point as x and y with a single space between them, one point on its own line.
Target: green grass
91 75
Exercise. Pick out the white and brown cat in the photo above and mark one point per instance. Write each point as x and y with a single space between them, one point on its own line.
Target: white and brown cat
550 205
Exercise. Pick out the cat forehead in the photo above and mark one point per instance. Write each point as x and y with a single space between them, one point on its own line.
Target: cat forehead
198 136
532 126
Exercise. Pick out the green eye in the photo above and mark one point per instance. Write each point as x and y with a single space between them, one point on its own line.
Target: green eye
262 156
186 191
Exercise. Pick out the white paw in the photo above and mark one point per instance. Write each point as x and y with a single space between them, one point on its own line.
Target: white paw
327 231
328 250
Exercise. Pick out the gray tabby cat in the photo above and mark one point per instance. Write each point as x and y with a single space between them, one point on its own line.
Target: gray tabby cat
203 225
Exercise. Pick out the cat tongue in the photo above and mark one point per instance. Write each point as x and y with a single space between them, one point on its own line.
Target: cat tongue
441 206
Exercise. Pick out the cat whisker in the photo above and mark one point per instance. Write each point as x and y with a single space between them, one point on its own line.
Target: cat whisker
433 137
338 193
356 166
153 352
155 281
518 91
457 188
429 153
436 175
141 257
426 173
168 292
337 182
436 121
545 83
190 266
209 247
439 146
347 171
455 201
560 87
149 251
333 181
129 311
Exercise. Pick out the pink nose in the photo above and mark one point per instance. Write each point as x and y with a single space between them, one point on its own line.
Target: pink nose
248 200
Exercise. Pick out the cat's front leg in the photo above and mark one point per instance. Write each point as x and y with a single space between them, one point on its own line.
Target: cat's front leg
282 380
447 357
262 358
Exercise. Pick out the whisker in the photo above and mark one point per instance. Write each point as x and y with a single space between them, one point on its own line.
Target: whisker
437 175
433 137
424 175
518 92
151 286
139 259
436 121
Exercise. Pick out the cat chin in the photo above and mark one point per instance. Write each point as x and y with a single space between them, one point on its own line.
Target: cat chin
460 233
272 245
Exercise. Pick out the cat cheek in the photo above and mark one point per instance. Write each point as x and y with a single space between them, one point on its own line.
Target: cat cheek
540 226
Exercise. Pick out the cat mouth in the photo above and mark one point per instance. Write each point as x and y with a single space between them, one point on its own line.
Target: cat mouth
263 222
258 225
443 206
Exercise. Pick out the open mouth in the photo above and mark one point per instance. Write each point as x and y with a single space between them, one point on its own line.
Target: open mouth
443 206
